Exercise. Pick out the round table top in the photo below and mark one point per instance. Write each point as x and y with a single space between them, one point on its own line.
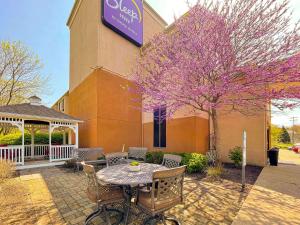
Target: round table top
121 175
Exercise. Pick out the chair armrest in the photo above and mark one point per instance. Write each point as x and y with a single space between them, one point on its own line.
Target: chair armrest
145 189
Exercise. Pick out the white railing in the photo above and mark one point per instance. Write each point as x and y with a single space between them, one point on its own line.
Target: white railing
61 152
12 153
40 151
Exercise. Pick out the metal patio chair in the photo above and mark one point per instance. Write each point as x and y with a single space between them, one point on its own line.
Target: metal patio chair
169 193
89 156
116 158
137 153
171 161
103 195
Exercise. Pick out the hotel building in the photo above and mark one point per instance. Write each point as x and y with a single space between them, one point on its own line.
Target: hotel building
102 56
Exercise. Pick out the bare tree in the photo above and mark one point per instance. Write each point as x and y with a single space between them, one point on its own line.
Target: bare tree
19 73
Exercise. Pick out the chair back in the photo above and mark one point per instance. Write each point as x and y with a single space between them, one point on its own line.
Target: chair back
88 154
92 184
169 185
75 153
116 158
138 153
171 161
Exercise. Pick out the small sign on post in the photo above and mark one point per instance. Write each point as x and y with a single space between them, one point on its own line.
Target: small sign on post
244 160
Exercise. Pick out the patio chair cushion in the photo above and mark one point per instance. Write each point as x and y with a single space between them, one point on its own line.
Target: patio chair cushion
145 202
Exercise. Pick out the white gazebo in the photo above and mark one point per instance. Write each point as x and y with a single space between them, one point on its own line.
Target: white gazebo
35 117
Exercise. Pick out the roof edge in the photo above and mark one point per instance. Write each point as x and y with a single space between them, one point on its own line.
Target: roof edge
40 117
73 12
60 98
78 2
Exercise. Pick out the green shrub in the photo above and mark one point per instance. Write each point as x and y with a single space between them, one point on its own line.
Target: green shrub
236 155
284 136
154 157
195 162
39 139
70 163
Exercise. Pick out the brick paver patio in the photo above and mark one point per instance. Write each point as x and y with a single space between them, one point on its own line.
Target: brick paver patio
58 197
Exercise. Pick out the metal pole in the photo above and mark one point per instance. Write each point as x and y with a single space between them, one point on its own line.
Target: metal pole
244 160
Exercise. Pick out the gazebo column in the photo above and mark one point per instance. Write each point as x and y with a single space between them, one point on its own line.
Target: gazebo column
50 141
69 137
32 131
76 134
64 138
23 141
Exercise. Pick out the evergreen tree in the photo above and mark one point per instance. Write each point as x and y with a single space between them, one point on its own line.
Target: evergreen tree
284 136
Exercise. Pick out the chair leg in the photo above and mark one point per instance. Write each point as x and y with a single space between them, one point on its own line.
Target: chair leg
150 220
118 211
92 216
107 219
162 218
174 220
126 211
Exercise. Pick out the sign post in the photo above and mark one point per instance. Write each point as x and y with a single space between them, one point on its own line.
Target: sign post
244 160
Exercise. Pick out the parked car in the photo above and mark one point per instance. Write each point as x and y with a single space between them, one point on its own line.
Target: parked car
296 148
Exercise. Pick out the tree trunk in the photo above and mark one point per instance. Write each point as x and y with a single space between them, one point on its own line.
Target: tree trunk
214 134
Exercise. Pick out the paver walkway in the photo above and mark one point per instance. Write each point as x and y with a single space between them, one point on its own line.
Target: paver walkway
274 199
206 202
28 201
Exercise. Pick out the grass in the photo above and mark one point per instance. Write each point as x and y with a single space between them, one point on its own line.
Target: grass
282 145
214 172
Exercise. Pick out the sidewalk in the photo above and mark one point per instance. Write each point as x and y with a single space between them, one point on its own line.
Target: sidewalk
274 199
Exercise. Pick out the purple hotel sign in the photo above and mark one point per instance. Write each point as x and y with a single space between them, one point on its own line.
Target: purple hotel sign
124 17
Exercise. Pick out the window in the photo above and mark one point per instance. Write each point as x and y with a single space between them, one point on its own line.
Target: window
160 128
61 105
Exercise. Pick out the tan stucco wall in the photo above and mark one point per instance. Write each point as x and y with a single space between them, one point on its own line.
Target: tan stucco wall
230 130
119 120
93 45
188 134
84 34
83 105
108 111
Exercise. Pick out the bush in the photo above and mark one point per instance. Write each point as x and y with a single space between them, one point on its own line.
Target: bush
195 162
40 139
154 157
236 155
284 136
70 163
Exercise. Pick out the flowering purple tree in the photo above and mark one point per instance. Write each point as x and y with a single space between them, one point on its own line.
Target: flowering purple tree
236 55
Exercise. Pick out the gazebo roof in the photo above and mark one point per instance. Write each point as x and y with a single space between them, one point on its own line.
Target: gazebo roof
35 111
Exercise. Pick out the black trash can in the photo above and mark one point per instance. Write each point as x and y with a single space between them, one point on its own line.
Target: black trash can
273 154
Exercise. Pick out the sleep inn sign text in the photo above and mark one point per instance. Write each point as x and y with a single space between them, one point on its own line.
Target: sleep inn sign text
124 17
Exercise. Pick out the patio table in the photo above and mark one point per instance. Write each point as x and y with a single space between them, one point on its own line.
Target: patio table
122 176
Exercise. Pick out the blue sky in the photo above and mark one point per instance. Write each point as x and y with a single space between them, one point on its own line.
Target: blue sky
41 25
